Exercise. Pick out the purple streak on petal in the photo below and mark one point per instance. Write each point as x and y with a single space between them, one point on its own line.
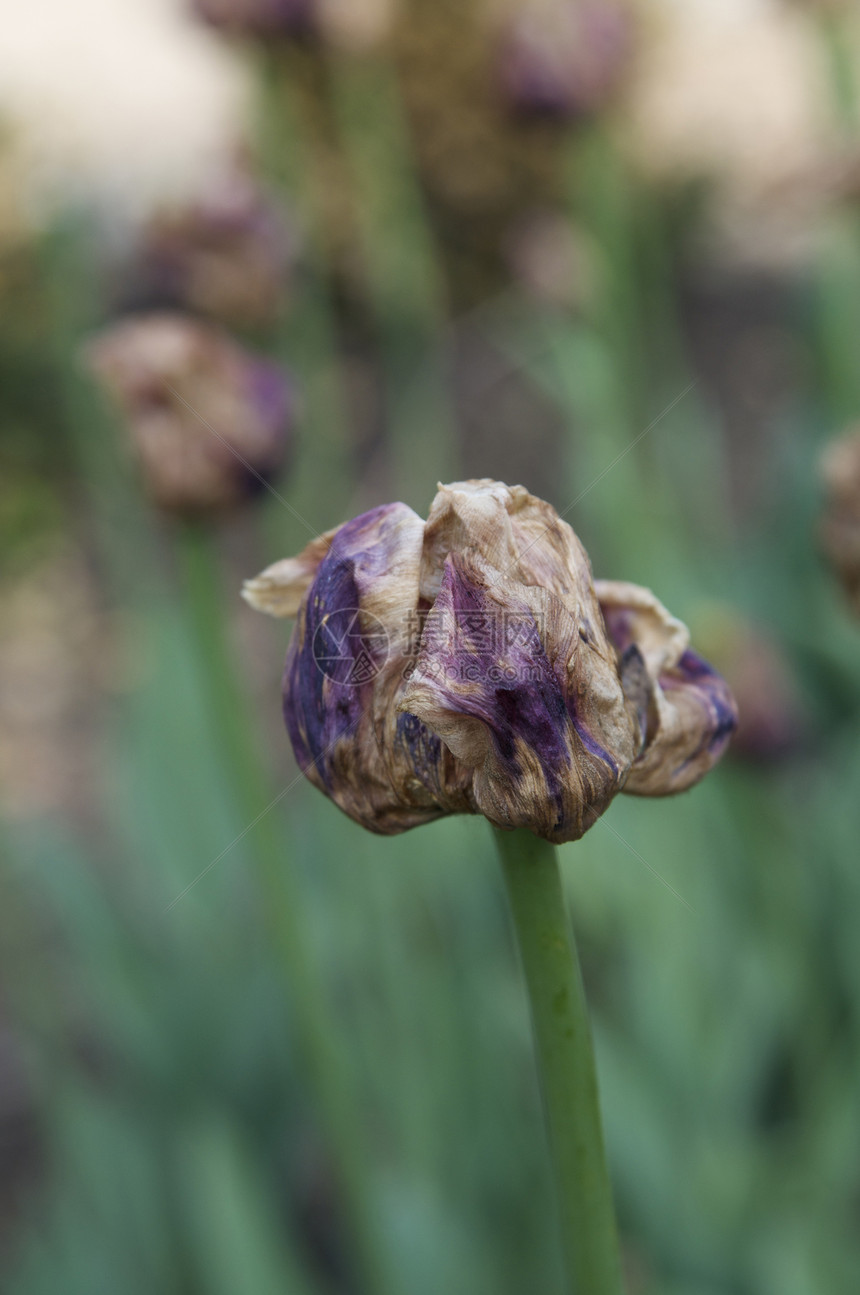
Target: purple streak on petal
510 686
334 659
715 693
317 709
518 697
619 626
424 750
591 745
331 664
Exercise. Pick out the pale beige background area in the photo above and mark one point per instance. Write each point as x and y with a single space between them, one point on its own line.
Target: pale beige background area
125 98
132 100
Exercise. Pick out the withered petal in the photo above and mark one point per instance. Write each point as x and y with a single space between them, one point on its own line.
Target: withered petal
280 588
345 661
634 614
497 680
698 716
471 665
691 713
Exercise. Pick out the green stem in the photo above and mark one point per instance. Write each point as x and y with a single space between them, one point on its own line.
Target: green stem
406 291
565 1061
836 38
307 339
282 904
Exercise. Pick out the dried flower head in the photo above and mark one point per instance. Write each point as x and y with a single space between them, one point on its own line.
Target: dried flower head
227 255
209 422
564 58
470 664
840 525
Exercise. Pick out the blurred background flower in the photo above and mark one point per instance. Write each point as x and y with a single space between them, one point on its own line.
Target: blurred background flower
227 254
208 422
563 58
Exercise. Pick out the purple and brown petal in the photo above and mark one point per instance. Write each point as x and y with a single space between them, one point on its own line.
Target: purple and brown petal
209 423
691 711
499 680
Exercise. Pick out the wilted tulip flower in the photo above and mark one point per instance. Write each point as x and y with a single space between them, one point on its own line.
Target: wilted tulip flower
470 664
840 525
226 255
564 58
209 422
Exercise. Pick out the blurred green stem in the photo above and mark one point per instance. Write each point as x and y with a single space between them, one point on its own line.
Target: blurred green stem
565 1060
404 279
307 338
316 1026
843 77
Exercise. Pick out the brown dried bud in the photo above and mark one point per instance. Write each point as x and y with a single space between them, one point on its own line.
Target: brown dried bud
564 58
209 423
840 525
470 664
227 255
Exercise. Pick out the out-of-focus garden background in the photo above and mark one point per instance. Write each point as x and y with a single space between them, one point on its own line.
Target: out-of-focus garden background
610 251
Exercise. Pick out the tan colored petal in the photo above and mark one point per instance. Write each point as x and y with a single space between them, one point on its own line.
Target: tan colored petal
637 616
697 717
279 590
690 713
522 701
466 515
514 531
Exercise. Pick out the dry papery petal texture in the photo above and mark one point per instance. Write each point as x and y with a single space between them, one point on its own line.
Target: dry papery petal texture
209 422
840 524
469 664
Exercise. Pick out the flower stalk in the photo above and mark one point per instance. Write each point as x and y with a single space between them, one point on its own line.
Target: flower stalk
565 1061
282 906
